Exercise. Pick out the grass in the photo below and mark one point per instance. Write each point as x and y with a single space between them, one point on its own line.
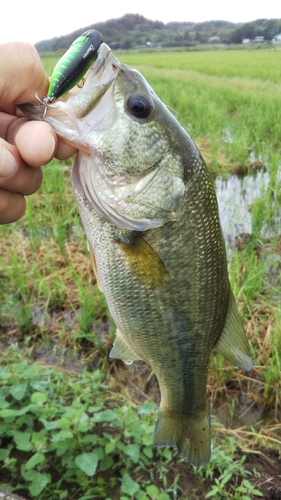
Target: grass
245 64
77 425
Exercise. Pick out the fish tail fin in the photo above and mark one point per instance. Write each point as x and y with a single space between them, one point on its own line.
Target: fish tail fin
233 343
190 434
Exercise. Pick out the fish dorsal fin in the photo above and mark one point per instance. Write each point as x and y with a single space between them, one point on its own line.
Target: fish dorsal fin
232 343
121 350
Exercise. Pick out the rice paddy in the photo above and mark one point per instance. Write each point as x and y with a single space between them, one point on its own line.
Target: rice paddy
52 314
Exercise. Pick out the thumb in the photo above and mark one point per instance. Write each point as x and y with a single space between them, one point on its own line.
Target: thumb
22 74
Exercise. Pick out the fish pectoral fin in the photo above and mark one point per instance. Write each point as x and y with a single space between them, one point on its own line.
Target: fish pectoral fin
144 262
191 434
121 350
232 343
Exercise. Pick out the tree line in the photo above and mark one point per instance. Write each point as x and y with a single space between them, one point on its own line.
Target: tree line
134 30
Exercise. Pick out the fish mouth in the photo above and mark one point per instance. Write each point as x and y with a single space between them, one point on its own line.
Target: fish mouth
99 79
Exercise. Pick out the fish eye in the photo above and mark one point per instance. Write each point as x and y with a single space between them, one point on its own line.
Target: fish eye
139 106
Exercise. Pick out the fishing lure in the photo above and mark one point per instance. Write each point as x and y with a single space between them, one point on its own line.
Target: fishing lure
73 65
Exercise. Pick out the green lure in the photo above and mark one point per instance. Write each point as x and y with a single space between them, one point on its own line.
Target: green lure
73 65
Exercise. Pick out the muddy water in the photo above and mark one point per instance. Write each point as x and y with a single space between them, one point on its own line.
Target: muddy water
235 197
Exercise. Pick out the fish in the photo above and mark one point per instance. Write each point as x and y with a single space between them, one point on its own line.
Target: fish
150 213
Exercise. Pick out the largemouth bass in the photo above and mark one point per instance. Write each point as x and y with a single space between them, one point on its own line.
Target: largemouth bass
150 213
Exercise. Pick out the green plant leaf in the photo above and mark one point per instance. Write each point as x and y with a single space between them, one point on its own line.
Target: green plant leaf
62 436
129 486
38 481
146 408
226 478
87 462
93 409
133 451
49 425
167 454
40 384
212 493
109 447
36 459
247 484
106 463
148 451
22 440
63 423
105 416
39 397
152 490
4 454
4 403
8 413
18 391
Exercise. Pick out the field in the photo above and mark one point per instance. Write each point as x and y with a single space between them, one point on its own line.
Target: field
75 424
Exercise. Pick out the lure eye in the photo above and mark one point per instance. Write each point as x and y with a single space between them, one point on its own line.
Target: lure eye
139 106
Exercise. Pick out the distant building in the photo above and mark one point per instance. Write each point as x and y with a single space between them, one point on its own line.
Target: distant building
258 39
214 39
277 38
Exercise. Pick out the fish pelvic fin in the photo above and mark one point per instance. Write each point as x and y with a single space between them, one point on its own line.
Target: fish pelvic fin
122 350
233 343
191 434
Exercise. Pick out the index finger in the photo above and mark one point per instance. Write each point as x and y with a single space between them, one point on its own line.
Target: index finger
22 74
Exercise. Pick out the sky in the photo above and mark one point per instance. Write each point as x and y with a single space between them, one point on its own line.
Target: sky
32 21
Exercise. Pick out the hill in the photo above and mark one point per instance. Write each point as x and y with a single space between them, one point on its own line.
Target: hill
133 30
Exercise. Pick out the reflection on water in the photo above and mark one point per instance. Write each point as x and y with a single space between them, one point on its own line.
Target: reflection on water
235 197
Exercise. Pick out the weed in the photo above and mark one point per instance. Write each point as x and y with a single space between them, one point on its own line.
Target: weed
66 432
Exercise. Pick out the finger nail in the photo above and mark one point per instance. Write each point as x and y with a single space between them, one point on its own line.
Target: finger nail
8 163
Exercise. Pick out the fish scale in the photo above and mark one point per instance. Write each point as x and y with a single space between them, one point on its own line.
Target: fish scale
149 209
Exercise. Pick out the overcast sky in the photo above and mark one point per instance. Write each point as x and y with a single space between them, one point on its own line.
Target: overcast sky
32 20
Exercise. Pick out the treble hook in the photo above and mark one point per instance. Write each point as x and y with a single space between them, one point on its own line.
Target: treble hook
46 101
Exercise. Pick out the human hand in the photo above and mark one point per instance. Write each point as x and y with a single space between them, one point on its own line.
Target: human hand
24 145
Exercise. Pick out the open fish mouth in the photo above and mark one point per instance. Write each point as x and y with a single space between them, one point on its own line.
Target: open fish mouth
118 187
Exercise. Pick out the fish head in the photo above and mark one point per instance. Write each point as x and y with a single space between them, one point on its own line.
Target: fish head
130 164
